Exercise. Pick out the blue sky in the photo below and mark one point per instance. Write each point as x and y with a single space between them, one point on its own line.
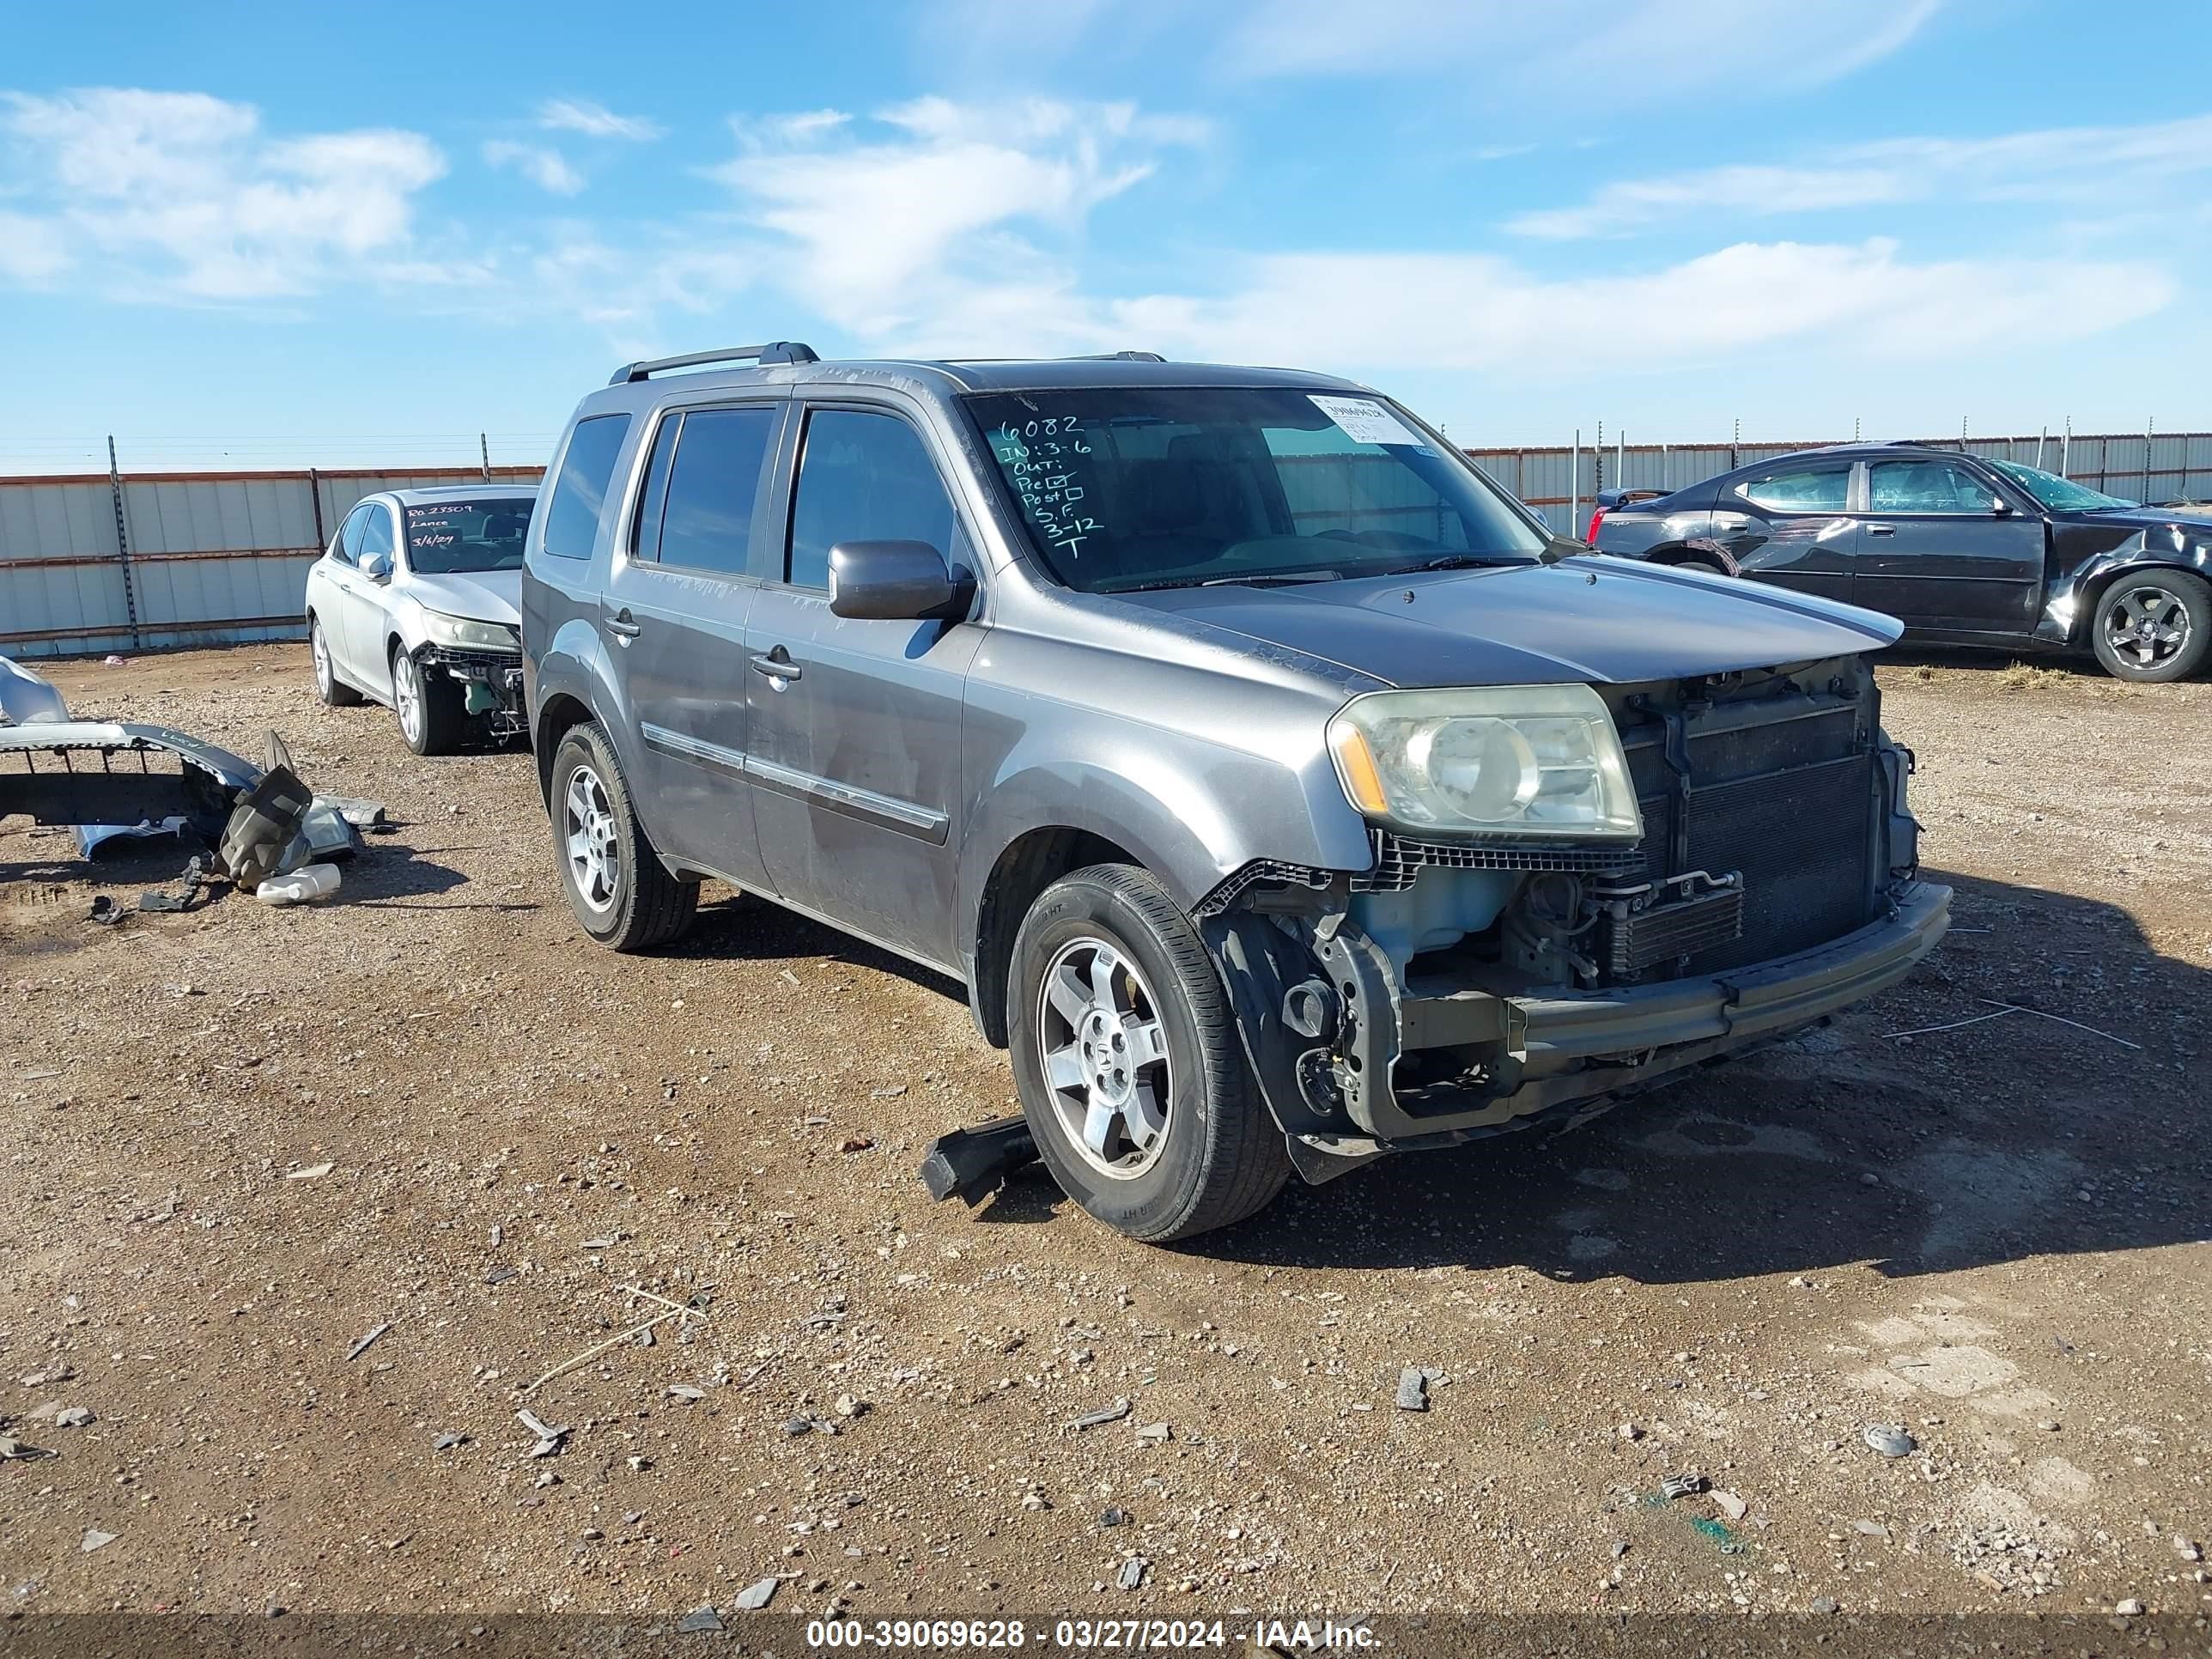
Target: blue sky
279 235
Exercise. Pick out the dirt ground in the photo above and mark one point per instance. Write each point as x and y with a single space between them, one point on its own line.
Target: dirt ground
242 1139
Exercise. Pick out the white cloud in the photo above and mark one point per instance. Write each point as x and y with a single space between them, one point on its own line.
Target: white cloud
182 196
2090 167
1644 50
880 232
542 165
595 121
32 252
1477 312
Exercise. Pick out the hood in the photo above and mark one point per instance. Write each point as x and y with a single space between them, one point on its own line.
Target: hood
2195 521
1591 619
492 596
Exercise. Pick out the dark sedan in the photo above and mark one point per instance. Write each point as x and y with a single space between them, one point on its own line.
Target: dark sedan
1960 550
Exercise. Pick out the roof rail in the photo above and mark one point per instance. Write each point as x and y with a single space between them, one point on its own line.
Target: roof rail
1119 357
775 351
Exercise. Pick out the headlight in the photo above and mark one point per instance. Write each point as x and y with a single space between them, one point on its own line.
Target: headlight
1522 760
461 631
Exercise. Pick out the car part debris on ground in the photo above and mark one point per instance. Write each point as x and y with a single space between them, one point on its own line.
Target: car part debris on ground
304 886
975 1162
108 782
1685 1484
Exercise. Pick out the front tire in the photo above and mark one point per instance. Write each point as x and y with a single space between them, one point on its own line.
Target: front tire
623 895
2153 626
334 692
432 713
1128 1061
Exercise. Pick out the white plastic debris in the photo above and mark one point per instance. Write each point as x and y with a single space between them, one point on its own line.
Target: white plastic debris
304 886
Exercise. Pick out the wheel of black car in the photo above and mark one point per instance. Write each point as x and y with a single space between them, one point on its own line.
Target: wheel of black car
2155 626
1704 566
1126 1055
616 884
431 710
329 687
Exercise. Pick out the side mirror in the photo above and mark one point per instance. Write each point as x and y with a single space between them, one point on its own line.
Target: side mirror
893 581
2002 507
377 567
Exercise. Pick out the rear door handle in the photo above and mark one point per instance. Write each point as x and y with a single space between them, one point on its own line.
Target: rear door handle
624 625
777 665
1882 530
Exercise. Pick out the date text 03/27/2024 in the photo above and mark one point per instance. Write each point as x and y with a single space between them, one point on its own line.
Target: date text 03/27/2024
1093 1635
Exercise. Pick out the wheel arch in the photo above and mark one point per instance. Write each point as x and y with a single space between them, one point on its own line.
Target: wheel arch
1025 867
2096 584
1695 550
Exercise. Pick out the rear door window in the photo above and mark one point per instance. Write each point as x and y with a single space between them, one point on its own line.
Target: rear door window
714 484
1802 490
376 532
572 517
349 547
863 476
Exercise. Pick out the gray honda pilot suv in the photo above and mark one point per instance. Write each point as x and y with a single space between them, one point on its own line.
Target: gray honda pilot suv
1282 791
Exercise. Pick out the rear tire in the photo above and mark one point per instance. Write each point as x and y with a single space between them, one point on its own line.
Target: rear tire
2153 626
1704 566
623 895
432 709
1129 1067
334 691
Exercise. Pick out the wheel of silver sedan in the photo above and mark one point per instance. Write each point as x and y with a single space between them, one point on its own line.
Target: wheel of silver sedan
589 841
2146 626
407 696
1104 1055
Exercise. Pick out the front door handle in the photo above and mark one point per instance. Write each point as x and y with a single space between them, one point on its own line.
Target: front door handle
623 625
1880 530
777 664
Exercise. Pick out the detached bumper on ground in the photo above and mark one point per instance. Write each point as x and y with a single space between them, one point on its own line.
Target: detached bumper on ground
1541 1054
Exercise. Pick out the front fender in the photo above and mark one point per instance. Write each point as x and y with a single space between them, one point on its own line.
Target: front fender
2071 598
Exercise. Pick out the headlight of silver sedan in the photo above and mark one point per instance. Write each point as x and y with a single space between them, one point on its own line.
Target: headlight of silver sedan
467 634
1520 760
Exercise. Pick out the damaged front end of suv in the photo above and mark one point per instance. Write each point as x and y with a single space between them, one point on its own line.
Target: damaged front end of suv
1577 892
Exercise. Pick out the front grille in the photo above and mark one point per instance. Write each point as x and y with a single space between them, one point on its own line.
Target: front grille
1399 859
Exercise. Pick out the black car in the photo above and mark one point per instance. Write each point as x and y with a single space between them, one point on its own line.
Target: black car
1960 550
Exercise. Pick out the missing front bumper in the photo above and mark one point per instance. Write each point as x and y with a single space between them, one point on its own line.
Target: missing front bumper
1544 1053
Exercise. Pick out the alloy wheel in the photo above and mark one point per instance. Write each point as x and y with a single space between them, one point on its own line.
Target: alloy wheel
407 695
587 838
2146 626
1105 1052
321 651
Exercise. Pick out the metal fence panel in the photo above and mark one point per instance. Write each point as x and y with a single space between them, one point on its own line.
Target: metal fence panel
224 556
46 520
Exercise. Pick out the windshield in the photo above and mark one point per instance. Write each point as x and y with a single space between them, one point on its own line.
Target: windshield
481 533
2060 495
1178 486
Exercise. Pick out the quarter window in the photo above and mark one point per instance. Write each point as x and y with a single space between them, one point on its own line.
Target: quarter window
1806 489
1927 487
713 482
863 477
572 517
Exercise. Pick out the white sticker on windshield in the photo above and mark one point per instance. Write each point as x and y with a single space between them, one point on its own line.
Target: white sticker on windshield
1364 421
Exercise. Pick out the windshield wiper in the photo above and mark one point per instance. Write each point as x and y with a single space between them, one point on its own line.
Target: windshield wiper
1264 579
1459 561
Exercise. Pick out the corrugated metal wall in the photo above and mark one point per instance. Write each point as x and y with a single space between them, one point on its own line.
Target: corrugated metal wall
223 557
213 557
